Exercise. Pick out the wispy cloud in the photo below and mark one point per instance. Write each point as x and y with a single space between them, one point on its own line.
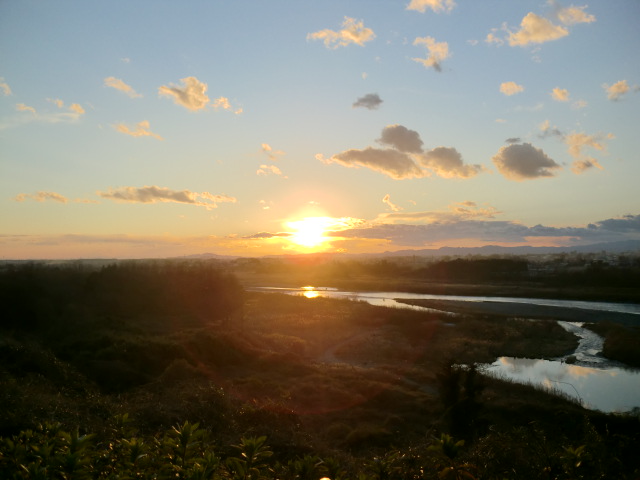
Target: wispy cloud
192 95
21 107
370 101
617 90
223 102
155 194
41 197
272 154
118 84
4 86
524 162
437 52
387 200
142 129
268 169
352 32
576 143
511 88
435 5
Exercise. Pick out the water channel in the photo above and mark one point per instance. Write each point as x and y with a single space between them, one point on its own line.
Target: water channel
585 375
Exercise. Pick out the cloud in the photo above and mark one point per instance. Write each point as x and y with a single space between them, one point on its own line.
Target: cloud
268 169
271 153
435 5
513 140
41 197
524 162
192 95
572 15
406 158
401 138
352 32
21 107
470 209
447 163
393 163
510 88
154 194
617 90
560 94
370 101
577 142
142 130
223 102
448 227
118 84
438 51
76 108
387 199
6 89
535 29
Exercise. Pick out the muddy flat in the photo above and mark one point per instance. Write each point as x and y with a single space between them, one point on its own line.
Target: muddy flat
511 309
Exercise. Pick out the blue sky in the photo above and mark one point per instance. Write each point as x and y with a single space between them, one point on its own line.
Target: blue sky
156 128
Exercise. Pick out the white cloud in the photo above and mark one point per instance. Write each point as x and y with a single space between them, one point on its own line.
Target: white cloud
511 88
438 51
192 95
524 162
353 31
560 94
401 138
387 199
393 163
41 197
155 194
447 162
370 101
120 85
142 129
617 90
435 5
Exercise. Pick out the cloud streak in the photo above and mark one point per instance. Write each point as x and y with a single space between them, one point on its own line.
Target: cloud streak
142 129
41 196
118 84
155 194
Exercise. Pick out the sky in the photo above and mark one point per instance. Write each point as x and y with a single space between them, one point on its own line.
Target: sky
235 127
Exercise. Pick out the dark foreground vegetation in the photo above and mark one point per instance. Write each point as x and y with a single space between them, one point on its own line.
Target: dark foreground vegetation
171 370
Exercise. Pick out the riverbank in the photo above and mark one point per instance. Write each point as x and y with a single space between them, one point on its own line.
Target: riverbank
513 309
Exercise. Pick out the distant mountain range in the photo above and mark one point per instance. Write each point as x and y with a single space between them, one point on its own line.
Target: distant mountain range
610 247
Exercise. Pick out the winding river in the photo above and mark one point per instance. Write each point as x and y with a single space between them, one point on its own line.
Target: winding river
585 375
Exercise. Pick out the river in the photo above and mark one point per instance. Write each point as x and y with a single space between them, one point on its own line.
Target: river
585 375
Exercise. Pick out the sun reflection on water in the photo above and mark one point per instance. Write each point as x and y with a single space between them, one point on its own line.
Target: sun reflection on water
310 292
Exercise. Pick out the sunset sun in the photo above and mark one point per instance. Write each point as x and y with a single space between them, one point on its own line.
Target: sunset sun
310 232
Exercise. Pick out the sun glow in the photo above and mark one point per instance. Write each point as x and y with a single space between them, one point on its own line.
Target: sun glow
310 231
